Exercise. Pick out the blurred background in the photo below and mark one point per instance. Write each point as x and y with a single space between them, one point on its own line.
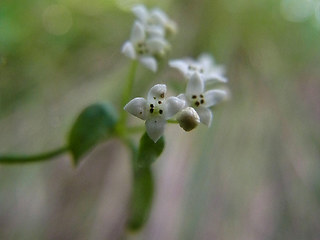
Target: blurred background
255 174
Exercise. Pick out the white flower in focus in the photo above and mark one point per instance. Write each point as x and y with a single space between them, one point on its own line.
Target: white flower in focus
156 21
204 66
144 49
201 100
155 110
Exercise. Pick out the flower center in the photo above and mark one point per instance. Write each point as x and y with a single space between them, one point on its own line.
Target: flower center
194 68
156 108
197 100
142 48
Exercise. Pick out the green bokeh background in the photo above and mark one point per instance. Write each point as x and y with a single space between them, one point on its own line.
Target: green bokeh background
255 174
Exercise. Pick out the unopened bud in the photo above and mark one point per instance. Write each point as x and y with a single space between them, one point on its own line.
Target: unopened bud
188 119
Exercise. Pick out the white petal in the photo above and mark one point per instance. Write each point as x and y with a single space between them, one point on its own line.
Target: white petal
149 62
158 91
159 16
138 33
172 106
206 60
128 50
195 85
155 31
205 115
157 44
212 97
141 12
219 69
181 65
137 107
215 77
155 128
183 97
216 73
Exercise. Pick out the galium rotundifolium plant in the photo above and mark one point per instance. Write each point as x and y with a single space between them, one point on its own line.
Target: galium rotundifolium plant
149 42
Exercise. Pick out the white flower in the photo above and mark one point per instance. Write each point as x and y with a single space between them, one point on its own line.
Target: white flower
155 110
200 100
204 66
156 21
188 119
143 48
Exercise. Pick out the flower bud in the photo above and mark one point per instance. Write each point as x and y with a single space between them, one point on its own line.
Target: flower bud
188 119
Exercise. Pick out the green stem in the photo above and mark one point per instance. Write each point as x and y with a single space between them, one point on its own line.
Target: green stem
126 96
172 121
14 159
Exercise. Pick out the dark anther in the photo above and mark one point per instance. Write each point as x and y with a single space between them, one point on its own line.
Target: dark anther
197 103
151 110
162 95
160 111
151 105
194 96
159 102
154 97
140 112
201 95
202 101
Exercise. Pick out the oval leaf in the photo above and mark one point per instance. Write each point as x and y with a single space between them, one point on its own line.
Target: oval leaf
142 196
94 124
149 151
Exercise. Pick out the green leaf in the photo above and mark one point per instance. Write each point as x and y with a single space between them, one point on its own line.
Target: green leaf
94 124
143 188
149 151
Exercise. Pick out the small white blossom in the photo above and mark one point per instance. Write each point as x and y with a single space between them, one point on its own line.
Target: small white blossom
155 110
188 119
204 66
156 21
144 48
200 99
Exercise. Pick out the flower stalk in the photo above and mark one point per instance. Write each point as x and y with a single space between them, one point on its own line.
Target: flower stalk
127 91
18 159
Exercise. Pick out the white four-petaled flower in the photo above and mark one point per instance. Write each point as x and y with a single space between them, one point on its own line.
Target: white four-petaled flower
202 100
144 48
204 66
155 110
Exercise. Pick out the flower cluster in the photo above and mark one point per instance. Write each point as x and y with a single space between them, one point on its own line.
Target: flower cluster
149 36
198 73
148 39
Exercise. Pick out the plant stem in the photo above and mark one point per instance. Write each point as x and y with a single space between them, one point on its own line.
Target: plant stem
14 159
126 95
172 121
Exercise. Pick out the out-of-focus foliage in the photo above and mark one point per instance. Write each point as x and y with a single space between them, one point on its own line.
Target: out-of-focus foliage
253 175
